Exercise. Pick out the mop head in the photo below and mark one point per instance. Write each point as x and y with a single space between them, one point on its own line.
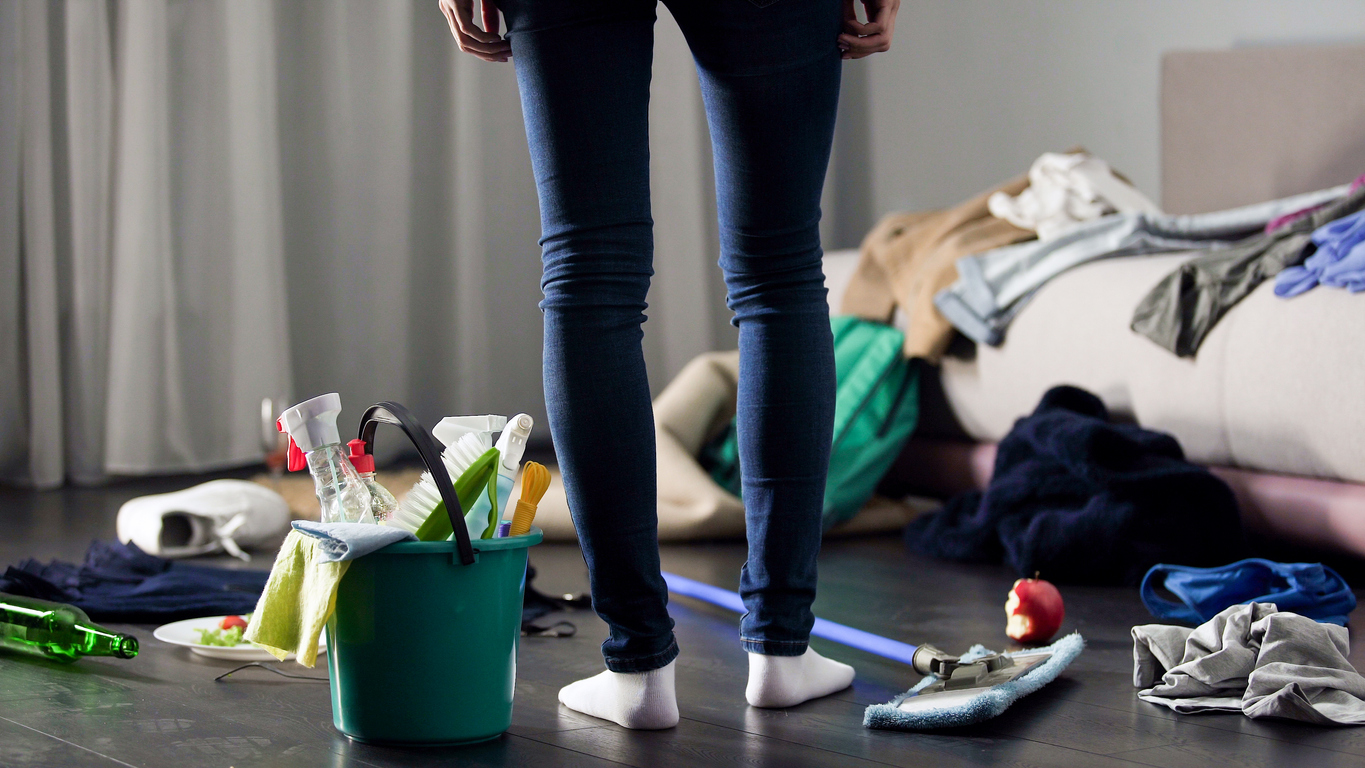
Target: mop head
985 703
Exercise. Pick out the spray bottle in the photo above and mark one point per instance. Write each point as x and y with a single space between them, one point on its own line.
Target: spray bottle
315 443
382 503
511 446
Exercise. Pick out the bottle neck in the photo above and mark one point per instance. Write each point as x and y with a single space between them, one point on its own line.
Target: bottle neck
96 641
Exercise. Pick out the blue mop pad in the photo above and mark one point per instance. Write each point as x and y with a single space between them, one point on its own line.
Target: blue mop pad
981 704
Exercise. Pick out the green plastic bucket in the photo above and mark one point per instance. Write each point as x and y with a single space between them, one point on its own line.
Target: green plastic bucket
422 649
422 646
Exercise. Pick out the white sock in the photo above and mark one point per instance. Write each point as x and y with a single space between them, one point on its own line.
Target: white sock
785 681
641 700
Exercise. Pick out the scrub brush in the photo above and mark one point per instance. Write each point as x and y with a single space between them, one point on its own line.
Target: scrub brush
535 480
417 505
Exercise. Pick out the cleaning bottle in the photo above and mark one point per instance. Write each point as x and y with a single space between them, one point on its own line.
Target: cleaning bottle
511 446
467 438
57 631
315 443
382 503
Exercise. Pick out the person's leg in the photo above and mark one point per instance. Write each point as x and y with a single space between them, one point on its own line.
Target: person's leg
583 70
770 81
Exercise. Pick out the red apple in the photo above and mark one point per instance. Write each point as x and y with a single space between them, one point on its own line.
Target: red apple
1034 611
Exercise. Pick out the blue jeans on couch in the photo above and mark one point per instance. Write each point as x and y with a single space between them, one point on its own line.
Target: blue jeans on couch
770 82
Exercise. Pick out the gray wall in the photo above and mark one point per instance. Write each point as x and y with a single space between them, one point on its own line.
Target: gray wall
973 90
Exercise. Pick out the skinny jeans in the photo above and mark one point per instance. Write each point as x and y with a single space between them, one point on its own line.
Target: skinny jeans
769 74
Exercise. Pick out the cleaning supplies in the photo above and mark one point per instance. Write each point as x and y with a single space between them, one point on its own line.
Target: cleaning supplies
511 445
382 503
956 690
347 541
315 443
57 631
475 480
298 599
980 685
535 480
467 439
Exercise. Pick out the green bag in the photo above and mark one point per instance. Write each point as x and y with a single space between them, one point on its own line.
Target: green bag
876 407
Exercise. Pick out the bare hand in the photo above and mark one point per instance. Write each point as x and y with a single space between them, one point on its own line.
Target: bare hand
860 40
485 43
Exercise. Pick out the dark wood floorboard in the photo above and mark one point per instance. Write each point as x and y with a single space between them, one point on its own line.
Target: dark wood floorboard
163 708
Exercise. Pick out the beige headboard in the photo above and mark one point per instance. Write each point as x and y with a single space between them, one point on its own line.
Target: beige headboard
1252 124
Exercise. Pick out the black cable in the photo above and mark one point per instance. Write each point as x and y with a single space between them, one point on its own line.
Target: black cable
277 671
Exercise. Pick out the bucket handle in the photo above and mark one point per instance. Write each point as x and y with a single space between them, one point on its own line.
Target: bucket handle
389 412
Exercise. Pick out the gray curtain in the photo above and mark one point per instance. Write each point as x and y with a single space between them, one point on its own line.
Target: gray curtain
204 203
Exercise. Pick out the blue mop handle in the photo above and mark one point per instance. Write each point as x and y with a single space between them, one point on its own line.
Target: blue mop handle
854 638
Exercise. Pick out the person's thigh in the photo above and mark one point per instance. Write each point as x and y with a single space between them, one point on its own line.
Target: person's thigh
770 80
583 70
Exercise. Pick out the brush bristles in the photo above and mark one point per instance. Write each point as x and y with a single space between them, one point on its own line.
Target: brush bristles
421 501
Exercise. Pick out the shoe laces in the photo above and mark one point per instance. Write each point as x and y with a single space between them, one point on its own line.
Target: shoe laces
224 534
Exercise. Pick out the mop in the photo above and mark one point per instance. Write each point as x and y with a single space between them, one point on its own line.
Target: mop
956 690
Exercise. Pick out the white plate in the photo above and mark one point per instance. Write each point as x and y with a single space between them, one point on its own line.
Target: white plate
183 633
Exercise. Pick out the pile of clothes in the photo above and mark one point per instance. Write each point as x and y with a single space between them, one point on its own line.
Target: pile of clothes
119 582
1083 500
1254 659
973 267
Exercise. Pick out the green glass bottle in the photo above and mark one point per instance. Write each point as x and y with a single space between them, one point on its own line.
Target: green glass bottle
57 631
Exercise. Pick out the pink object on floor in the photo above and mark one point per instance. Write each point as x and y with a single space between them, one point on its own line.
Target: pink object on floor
1321 513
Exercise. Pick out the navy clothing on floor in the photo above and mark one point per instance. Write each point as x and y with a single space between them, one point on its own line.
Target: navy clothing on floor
1085 501
121 583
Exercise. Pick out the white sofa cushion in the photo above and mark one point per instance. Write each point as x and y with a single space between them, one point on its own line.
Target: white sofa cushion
1276 387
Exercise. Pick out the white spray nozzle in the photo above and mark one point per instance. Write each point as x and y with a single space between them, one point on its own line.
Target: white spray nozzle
452 428
512 442
313 423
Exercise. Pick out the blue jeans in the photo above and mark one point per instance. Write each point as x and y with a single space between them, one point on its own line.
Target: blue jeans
770 82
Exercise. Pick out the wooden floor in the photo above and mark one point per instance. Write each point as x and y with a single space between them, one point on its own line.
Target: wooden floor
163 708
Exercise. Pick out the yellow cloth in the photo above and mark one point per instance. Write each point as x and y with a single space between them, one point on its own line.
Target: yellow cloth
298 599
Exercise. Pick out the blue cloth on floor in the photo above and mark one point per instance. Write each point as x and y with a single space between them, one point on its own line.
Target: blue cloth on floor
1338 262
347 541
1308 589
1084 501
119 582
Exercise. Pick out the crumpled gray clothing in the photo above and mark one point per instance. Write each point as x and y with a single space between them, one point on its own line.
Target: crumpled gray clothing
1181 310
1255 659
992 286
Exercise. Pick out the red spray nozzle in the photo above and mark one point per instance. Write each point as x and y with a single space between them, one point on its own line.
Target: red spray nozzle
363 462
297 459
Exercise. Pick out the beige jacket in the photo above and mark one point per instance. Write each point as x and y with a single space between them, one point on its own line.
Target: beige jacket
909 257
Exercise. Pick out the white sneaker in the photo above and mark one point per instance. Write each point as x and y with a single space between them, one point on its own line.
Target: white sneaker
218 515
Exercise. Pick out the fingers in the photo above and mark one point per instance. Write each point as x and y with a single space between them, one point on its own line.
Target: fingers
860 40
490 16
486 45
855 47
